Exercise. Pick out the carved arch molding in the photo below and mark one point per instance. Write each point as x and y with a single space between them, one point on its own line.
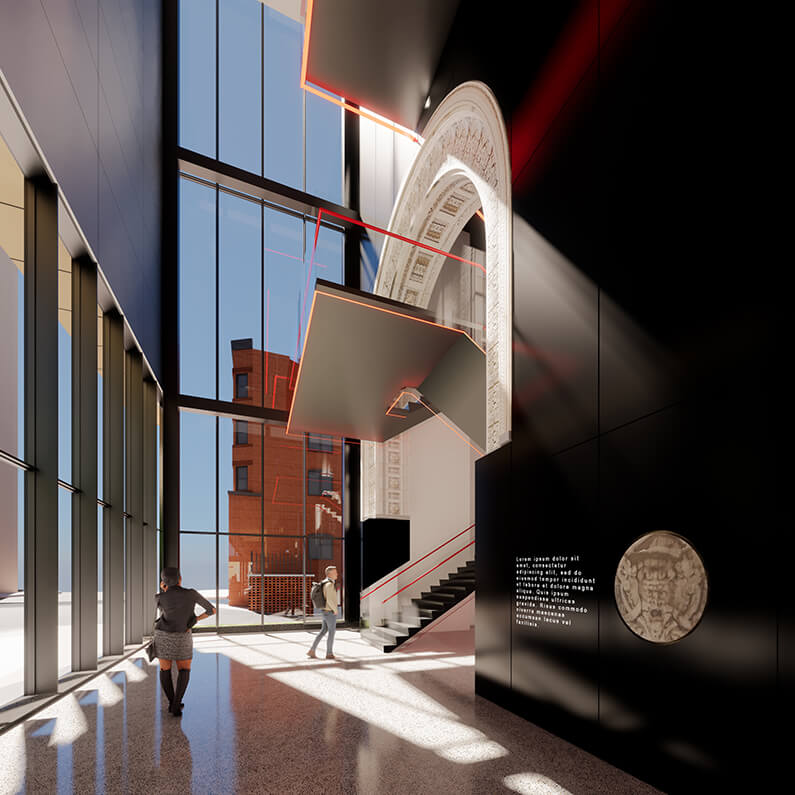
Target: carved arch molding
463 164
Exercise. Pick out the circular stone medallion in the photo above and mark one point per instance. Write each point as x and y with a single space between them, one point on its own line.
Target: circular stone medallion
661 587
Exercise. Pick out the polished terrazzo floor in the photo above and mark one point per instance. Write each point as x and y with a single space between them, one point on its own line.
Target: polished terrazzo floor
262 718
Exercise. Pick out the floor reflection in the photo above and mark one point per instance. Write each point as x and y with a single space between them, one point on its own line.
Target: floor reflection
261 717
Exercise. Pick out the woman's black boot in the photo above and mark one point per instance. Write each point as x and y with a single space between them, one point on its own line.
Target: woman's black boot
168 686
182 683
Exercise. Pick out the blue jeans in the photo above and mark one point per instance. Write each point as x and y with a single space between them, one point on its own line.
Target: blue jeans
329 625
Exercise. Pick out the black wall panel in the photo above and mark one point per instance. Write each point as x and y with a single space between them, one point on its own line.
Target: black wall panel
494 602
86 74
647 380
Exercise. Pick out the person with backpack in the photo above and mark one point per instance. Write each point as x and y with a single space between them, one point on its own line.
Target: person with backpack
324 599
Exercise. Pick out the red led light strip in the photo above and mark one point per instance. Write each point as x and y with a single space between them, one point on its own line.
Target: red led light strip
345 105
323 211
428 572
411 565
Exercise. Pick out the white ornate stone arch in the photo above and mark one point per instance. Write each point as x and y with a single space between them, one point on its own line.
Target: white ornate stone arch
464 163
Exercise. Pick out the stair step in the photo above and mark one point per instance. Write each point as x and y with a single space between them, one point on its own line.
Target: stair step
433 604
390 634
448 587
439 596
378 641
404 628
430 614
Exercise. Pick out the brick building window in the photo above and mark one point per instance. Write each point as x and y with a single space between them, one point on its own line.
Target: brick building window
321 442
241 478
321 547
241 432
318 482
241 385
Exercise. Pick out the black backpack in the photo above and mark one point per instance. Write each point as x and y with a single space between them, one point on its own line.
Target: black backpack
317 596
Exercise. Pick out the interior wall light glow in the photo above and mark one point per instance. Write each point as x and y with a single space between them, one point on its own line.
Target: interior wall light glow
326 93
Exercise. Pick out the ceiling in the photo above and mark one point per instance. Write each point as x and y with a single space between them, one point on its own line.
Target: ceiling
379 54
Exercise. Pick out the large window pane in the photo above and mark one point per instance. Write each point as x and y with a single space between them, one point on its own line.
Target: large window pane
323 148
197 566
283 482
281 587
12 596
238 558
64 363
197 75
285 284
100 601
324 260
100 403
283 113
197 289
239 509
64 581
240 297
239 84
12 304
197 472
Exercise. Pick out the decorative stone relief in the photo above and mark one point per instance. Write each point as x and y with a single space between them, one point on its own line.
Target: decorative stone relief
661 587
463 165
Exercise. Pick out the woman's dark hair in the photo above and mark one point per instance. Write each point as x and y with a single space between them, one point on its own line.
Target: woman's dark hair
170 576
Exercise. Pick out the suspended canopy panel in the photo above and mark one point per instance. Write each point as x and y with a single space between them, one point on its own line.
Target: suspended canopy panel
365 357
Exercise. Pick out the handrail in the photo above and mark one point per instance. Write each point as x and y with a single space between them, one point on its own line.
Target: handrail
364 596
429 571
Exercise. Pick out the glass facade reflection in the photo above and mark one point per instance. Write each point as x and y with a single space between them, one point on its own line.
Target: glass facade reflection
247 272
12 394
276 531
240 96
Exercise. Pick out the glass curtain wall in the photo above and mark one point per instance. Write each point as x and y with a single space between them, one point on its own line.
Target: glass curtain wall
64 459
240 99
261 517
261 512
12 422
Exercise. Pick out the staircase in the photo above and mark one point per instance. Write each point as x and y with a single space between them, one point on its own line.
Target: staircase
425 609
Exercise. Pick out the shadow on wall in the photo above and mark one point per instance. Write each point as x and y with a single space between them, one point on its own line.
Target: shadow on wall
557 334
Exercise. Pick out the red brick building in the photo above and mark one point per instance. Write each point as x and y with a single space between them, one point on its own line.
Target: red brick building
290 487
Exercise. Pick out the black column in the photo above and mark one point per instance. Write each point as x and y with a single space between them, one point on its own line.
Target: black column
134 476
41 436
353 530
84 465
150 573
351 200
113 490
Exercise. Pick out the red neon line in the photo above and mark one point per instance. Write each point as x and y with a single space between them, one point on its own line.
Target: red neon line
479 214
399 237
363 113
275 487
307 32
298 377
267 329
275 379
306 287
395 416
428 572
418 561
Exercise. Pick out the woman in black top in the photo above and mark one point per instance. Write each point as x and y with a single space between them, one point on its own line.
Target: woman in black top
173 638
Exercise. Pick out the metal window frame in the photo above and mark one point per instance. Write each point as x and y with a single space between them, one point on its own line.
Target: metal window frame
84 465
41 435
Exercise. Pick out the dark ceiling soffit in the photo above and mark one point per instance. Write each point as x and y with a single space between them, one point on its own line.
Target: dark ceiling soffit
236 411
211 170
380 54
